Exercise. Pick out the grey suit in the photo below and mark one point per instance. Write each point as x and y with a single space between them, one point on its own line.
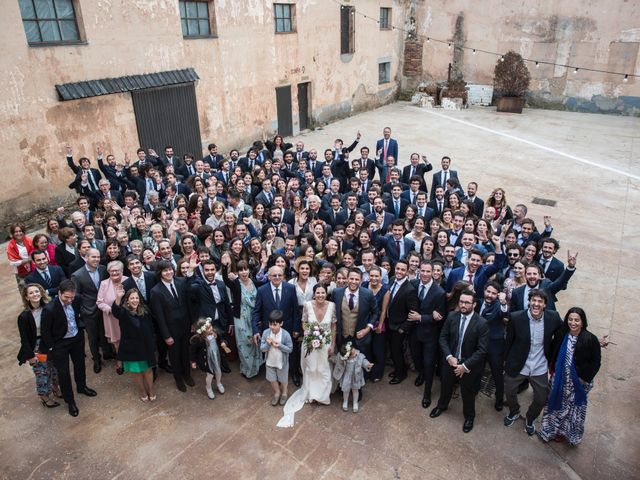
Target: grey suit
87 291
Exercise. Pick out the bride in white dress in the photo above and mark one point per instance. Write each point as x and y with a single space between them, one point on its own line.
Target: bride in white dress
316 369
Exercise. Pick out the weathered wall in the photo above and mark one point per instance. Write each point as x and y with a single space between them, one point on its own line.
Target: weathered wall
595 34
238 72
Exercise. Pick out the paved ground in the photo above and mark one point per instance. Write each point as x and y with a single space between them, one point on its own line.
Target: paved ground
588 163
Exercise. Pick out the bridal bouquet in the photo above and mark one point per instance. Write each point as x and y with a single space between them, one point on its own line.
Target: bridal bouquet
315 337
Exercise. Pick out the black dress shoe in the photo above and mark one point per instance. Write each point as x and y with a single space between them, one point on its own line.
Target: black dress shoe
392 374
426 402
73 409
181 386
499 405
419 380
396 380
436 412
97 366
189 381
166 367
89 392
296 380
467 426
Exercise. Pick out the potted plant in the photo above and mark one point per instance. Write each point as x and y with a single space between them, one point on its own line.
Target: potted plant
511 80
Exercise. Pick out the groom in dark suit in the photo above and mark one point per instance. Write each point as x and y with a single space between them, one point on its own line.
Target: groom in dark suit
463 341
279 295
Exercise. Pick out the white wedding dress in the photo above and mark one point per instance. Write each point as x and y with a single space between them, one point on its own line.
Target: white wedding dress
316 369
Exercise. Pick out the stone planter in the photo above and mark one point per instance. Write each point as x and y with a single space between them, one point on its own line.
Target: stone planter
511 104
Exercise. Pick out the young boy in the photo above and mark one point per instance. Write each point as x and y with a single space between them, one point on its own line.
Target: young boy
277 343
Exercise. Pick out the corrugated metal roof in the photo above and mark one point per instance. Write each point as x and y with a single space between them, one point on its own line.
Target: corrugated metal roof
105 86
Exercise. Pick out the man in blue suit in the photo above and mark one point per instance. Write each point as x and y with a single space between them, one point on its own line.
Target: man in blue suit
551 266
475 272
387 146
48 276
440 178
279 295
395 245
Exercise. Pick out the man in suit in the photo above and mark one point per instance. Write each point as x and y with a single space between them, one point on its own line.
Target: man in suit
187 168
366 163
169 159
339 168
387 146
478 203
313 164
530 335
403 299
86 178
551 266
380 215
356 313
171 309
440 178
300 153
533 276
423 340
248 162
266 194
475 272
89 234
437 203
45 275
81 258
394 179
106 192
449 263
411 195
468 243
280 295
396 204
423 210
416 169
455 233
395 245
463 342
87 280
335 214
214 157
61 330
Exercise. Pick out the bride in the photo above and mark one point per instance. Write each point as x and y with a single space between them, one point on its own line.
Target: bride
316 369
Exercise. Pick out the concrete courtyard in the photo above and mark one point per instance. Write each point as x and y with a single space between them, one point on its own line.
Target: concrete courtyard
589 164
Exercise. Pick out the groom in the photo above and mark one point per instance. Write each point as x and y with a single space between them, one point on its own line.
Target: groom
279 295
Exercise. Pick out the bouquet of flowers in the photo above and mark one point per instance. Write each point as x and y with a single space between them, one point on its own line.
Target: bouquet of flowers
315 337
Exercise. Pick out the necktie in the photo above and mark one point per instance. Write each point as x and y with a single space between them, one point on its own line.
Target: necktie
398 208
47 278
174 293
141 287
299 155
92 184
413 198
351 302
463 321
413 171
470 278
422 292
190 169
445 177
251 165
484 305
278 297
398 246
421 212
440 206
269 197
388 175
393 290
384 153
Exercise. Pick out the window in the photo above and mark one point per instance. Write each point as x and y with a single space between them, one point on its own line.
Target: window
49 21
385 18
384 72
347 29
195 19
284 14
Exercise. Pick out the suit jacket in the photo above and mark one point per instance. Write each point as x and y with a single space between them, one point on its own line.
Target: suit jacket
474 342
388 220
434 300
586 356
76 265
55 273
494 317
28 337
205 305
554 270
183 171
389 244
405 300
478 206
551 288
87 291
53 326
390 205
368 313
370 166
262 198
149 282
76 184
328 217
317 169
481 276
116 196
173 316
266 303
518 341
392 148
340 170
437 181
386 188
213 160
64 258
421 169
433 204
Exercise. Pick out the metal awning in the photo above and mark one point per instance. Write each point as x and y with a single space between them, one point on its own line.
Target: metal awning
105 86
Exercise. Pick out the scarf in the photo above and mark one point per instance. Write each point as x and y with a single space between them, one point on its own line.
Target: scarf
555 397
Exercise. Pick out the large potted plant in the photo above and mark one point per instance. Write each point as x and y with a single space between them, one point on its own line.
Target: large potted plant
511 80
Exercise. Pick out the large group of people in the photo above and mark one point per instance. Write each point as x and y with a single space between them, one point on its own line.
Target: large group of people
323 270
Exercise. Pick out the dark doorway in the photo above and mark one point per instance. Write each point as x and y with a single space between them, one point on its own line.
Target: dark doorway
283 104
168 116
303 104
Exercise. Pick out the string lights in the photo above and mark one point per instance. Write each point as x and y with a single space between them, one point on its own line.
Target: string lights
473 50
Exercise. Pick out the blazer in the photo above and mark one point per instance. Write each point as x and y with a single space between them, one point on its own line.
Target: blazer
586 356
434 300
550 288
481 276
266 303
87 291
28 337
478 206
405 300
392 148
437 181
474 342
421 169
149 282
494 317
55 273
389 244
204 303
137 340
236 291
286 343
173 316
76 265
64 258
390 205
213 160
554 270
518 341
386 188
433 204
53 325
369 165
368 313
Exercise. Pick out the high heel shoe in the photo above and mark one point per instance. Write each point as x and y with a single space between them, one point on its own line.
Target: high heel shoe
49 403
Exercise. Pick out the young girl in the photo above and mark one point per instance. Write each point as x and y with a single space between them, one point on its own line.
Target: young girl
348 372
205 354
277 344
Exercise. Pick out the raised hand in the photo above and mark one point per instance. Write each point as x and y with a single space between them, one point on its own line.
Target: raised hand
572 259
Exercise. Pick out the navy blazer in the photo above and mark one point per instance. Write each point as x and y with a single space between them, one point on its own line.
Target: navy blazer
550 288
266 303
494 317
421 169
389 245
436 181
391 202
388 220
54 325
481 276
554 270
392 148
368 313
57 275
434 300
150 281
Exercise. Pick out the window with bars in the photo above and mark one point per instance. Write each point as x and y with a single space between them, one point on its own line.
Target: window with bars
284 16
347 29
384 72
385 18
49 21
195 17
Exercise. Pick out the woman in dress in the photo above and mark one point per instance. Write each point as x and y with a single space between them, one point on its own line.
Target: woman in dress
243 296
137 352
18 250
517 280
106 296
575 362
304 282
32 348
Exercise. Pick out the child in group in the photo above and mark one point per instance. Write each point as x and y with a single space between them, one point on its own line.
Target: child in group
205 354
348 372
277 344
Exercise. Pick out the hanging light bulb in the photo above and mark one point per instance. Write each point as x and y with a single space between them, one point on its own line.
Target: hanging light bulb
537 64
449 45
575 71
474 51
502 58
626 78
428 39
